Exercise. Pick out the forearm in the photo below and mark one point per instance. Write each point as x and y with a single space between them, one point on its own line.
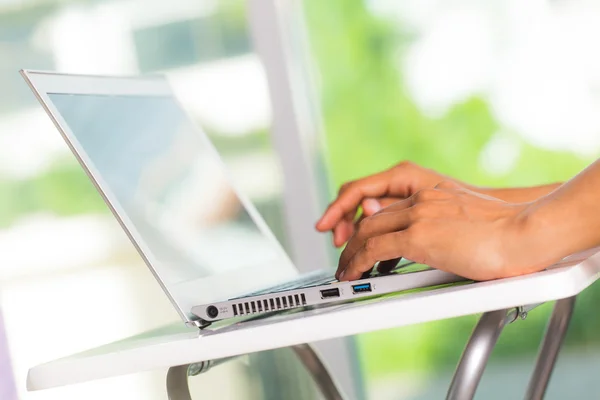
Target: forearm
518 195
568 220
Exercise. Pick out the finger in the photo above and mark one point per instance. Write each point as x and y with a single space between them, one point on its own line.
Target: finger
388 201
385 267
349 200
349 228
396 206
350 215
370 206
367 273
342 232
376 225
340 191
379 248
345 228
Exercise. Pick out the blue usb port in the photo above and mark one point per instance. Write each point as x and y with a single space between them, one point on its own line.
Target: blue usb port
362 288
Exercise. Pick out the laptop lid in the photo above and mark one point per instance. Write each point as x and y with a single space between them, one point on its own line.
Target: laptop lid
166 185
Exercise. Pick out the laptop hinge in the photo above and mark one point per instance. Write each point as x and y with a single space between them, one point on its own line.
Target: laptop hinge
200 324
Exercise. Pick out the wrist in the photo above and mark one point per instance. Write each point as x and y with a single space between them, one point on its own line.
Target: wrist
529 241
547 233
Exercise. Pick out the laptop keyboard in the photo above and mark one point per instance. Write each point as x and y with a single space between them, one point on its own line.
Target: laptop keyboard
314 279
317 279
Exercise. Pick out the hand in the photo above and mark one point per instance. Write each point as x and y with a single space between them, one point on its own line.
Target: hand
380 190
374 193
450 228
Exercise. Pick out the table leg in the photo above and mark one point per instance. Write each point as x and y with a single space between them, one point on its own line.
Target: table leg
177 383
548 353
177 377
313 364
477 352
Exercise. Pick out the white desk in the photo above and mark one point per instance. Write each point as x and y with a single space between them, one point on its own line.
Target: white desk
178 345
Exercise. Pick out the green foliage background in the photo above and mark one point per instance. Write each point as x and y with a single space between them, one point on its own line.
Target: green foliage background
372 123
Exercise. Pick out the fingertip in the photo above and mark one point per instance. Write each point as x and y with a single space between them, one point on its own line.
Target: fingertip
340 268
336 237
352 276
345 276
348 275
338 271
320 224
371 206
326 223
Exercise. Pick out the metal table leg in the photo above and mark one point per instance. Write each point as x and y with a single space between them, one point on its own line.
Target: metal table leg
177 377
484 337
477 352
177 383
313 364
550 347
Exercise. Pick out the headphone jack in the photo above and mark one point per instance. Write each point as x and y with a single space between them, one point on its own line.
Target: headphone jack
212 311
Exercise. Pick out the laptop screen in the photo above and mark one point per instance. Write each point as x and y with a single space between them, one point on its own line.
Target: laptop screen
169 182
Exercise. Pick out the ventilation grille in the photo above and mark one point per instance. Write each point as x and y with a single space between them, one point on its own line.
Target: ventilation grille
272 304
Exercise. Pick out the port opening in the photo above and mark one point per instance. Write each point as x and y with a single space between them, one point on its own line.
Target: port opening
327 293
361 288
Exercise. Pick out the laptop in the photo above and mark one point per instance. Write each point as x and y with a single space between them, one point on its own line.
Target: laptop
201 237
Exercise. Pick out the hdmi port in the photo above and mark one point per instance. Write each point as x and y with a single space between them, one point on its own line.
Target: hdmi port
330 293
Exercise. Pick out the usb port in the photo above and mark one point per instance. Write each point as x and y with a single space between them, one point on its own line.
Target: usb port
330 293
362 288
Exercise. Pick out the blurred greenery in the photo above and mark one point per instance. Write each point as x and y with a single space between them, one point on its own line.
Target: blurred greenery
62 190
371 123
371 119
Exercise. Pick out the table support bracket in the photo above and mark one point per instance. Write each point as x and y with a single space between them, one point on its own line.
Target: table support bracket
177 377
477 352
550 347
473 361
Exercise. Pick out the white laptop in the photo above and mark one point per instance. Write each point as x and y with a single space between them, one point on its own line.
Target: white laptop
203 240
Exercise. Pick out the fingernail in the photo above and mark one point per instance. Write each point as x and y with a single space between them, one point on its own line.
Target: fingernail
341 275
372 205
